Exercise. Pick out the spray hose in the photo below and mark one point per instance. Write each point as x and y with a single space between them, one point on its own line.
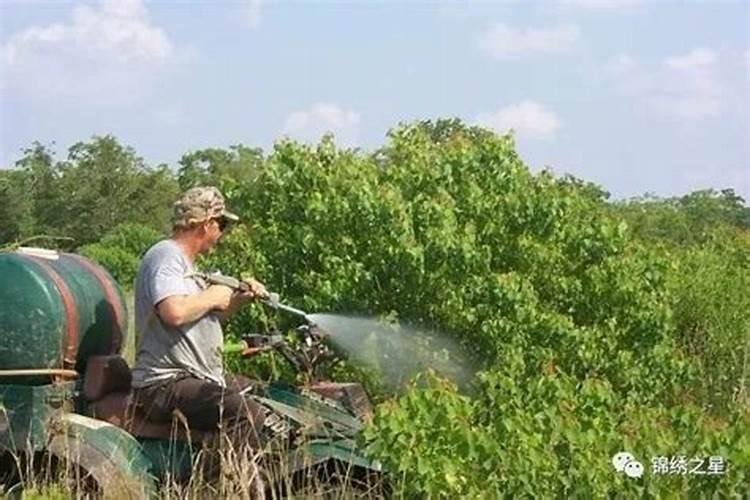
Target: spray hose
271 299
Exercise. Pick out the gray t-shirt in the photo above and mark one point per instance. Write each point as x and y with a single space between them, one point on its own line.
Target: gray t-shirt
164 351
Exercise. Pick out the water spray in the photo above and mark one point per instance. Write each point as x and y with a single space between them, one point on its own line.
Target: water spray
398 352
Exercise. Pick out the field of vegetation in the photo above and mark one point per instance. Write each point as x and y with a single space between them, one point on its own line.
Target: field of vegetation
596 326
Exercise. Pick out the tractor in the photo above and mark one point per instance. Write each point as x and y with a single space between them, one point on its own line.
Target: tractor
66 406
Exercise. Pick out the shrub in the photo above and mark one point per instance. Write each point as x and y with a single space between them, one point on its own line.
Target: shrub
120 250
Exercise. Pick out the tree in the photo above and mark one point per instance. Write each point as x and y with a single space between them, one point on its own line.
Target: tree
708 208
15 207
100 185
29 194
686 219
225 169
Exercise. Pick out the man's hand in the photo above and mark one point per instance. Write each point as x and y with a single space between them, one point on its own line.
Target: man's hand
220 297
254 290
257 289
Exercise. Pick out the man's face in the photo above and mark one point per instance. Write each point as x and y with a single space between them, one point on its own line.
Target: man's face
213 229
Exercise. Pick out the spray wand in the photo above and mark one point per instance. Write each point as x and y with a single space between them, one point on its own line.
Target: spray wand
306 358
271 299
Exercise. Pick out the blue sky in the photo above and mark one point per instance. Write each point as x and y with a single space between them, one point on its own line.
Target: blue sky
635 95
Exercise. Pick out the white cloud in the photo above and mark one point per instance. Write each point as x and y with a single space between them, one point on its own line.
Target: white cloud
252 13
527 118
686 86
690 88
621 65
505 42
311 123
694 59
603 4
102 53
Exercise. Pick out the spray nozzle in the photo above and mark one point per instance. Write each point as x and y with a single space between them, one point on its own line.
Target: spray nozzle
273 301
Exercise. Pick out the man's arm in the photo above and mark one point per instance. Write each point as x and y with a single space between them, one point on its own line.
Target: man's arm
178 310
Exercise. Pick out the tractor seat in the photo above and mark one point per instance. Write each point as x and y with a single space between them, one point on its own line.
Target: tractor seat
105 375
106 388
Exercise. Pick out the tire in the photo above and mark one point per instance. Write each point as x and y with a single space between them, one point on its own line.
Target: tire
91 474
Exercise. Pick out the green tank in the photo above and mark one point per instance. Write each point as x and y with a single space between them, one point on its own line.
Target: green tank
56 310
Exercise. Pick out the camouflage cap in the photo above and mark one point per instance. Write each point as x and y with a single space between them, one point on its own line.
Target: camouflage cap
198 205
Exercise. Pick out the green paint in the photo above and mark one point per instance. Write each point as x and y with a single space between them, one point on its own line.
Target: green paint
118 447
331 412
33 323
32 319
169 458
29 413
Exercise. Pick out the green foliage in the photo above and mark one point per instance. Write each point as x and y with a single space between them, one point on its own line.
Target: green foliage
100 185
550 436
26 194
456 232
121 249
225 169
600 327
573 318
15 207
684 220
713 315
50 492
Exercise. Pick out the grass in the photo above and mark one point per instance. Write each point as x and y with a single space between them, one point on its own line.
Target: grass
128 350
52 492
242 474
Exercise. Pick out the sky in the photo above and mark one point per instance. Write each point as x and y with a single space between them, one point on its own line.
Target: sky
638 96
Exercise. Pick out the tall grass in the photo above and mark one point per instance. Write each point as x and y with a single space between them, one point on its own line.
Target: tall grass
128 350
221 469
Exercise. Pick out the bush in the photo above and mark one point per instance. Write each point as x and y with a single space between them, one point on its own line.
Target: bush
550 436
593 336
120 250
713 315
571 316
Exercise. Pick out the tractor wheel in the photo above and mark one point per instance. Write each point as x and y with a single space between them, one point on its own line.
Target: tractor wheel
91 474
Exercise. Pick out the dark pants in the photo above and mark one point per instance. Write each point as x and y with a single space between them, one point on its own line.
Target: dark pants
206 406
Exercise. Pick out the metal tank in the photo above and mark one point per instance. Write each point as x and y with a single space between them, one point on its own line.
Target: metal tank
56 310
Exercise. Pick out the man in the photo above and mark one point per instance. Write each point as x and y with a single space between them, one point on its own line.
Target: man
179 364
